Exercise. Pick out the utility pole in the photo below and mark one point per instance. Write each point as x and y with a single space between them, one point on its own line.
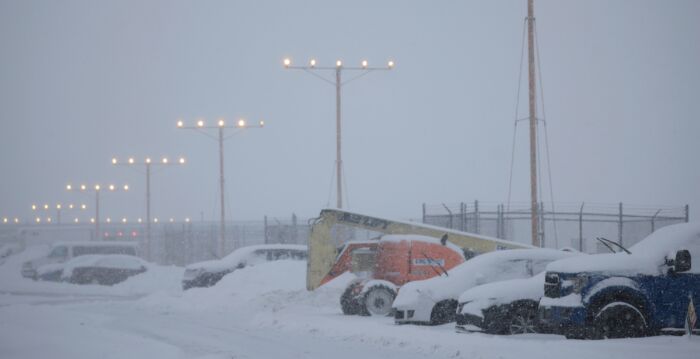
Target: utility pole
533 124
338 83
148 163
221 125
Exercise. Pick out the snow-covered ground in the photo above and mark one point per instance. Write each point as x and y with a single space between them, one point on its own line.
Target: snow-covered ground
257 312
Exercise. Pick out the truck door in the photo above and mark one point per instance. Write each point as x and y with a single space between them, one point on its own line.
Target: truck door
672 304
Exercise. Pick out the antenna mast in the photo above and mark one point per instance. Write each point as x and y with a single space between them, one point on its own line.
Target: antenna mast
533 124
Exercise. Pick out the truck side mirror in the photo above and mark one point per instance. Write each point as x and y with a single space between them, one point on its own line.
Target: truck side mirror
682 262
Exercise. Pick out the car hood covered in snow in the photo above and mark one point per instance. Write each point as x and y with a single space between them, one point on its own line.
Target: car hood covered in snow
478 270
503 292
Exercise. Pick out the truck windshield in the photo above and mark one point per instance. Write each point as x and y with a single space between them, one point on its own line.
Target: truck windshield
363 261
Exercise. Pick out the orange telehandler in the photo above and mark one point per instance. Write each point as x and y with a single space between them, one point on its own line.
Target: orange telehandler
405 252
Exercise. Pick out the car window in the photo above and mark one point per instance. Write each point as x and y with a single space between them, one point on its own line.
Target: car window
83 250
511 269
538 265
693 247
59 252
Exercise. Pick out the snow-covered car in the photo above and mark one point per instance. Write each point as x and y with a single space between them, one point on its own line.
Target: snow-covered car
208 273
64 251
102 269
8 249
506 307
50 272
434 301
645 290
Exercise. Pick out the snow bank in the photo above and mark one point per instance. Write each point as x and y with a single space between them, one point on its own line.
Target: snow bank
156 279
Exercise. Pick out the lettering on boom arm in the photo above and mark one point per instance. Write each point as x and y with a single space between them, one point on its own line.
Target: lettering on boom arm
363 220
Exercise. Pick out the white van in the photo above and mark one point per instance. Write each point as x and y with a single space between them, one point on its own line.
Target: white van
64 251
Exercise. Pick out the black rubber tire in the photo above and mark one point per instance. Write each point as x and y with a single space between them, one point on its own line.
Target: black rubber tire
378 301
619 320
443 312
523 320
347 303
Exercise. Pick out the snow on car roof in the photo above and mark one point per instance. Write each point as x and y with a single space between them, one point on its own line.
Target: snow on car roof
669 237
118 261
646 258
231 261
94 243
420 238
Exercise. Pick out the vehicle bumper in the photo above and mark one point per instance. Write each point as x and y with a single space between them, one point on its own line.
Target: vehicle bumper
569 321
192 283
410 315
469 323
29 273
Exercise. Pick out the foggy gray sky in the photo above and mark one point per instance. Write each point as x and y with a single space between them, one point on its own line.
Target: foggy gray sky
83 81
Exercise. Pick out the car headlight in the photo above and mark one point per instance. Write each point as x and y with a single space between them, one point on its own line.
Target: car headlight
579 282
460 306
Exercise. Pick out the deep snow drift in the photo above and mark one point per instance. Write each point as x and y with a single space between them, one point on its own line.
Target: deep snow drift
263 311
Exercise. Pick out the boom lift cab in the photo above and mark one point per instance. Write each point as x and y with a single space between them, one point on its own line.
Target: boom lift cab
388 264
325 263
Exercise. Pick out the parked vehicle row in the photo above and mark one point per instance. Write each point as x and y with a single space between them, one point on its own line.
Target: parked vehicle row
62 252
102 269
644 290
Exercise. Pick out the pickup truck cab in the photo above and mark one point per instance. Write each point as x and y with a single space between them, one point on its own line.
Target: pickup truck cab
643 292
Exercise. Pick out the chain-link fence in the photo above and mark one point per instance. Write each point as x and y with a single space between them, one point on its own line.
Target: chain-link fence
563 225
183 243
177 243
566 225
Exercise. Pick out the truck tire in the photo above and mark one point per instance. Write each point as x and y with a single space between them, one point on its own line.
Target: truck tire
619 320
378 301
347 302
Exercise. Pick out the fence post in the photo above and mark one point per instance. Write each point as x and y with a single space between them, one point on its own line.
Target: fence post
498 221
423 212
265 229
619 230
477 220
461 216
503 221
653 218
449 213
294 228
541 224
580 227
687 213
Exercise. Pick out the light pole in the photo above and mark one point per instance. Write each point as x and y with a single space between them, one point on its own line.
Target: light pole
338 83
148 163
96 189
60 207
220 126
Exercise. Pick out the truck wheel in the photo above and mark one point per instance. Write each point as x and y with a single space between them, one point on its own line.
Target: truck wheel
378 301
347 303
619 320
523 321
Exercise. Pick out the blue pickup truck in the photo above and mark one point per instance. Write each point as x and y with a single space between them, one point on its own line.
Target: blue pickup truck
641 291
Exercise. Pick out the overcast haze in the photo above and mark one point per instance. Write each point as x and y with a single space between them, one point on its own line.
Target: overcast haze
83 81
